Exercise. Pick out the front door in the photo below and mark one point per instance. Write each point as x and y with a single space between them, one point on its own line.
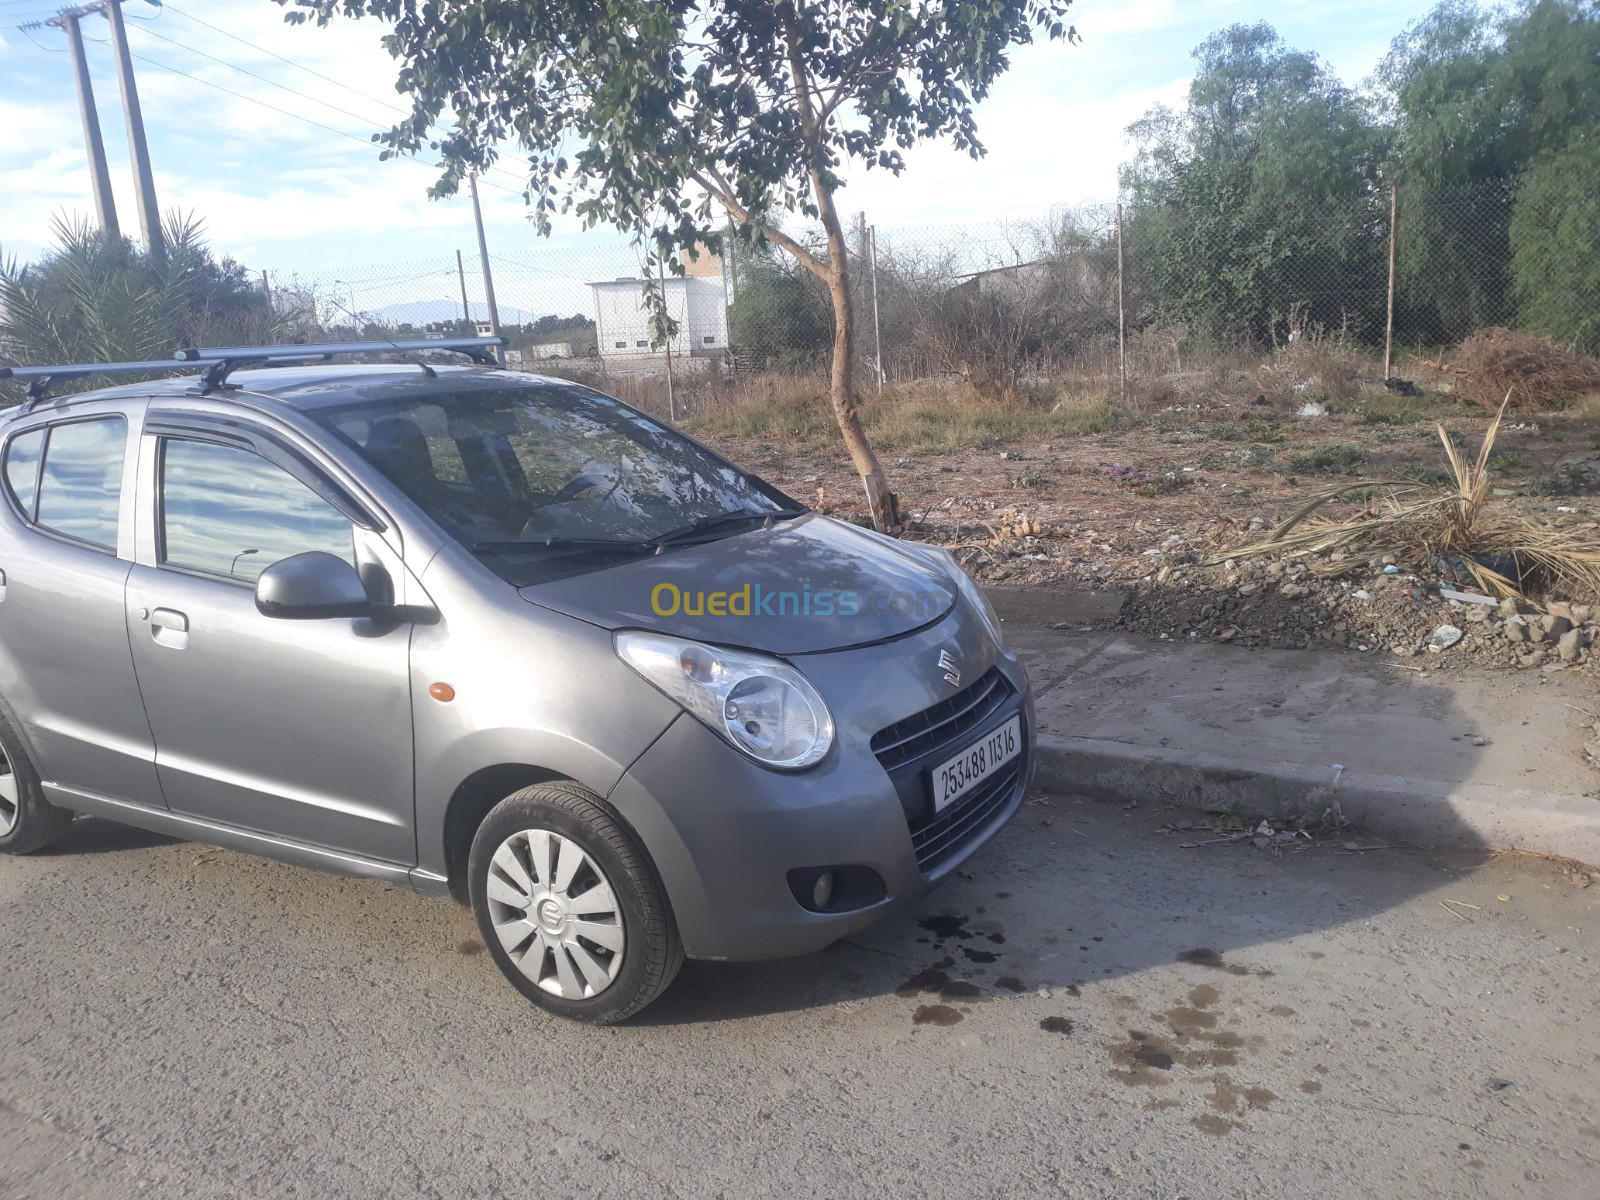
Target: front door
299 729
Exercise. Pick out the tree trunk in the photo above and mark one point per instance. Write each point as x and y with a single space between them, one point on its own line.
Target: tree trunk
882 502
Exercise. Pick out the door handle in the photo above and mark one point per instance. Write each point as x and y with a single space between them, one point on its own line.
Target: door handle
170 628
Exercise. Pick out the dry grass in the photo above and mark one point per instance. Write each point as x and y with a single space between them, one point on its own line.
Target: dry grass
909 420
1533 371
1421 523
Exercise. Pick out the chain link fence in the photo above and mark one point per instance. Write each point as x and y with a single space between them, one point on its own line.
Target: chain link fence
1097 294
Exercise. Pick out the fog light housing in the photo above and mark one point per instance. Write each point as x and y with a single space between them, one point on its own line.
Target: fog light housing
822 891
837 889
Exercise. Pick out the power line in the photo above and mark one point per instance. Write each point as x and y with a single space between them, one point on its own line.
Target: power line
256 46
274 54
355 137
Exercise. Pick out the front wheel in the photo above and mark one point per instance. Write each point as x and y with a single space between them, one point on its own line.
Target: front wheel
570 907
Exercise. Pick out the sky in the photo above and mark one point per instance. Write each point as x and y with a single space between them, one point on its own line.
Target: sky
262 130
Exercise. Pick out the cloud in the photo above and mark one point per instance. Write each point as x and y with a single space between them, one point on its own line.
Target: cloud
278 192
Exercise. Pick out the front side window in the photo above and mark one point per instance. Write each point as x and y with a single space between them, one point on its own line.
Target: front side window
546 480
229 512
80 480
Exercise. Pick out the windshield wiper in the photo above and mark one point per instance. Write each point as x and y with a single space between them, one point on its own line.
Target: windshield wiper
561 543
694 529
717 520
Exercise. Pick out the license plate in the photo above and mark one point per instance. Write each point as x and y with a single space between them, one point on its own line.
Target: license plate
957 776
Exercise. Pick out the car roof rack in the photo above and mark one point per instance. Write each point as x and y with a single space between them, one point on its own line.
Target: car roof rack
217 363
221 361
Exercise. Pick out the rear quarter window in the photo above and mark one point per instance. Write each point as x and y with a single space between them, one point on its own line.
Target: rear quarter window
23 453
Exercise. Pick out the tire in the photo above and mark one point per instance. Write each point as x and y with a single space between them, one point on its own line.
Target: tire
538 864
28 822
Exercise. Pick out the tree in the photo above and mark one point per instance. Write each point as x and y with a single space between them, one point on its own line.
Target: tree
645 114
776 319
95 298
1259 197
1555 244
1477 100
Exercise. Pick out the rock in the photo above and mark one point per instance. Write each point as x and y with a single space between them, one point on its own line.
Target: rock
1536 631
1569 645
1515 629
1249 589
1554 626
1508 607
1479 612
1582 614
1531 658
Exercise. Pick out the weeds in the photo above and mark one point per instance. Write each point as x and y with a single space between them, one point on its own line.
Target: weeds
1328 460
1424 522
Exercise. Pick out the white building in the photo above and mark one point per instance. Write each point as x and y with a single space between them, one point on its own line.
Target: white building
698 303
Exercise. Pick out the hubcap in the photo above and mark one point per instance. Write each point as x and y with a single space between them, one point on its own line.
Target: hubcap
9 798
555 914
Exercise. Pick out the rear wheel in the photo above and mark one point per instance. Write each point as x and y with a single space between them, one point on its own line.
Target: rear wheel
28 821
570 906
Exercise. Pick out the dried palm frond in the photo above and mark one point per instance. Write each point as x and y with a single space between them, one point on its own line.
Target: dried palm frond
1429 523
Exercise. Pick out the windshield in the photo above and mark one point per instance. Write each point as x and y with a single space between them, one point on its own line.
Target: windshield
546 480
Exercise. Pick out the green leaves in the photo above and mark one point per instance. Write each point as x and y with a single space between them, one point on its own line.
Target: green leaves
1260 192
625 109
95 298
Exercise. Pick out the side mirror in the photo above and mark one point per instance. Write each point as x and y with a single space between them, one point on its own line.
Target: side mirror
311 586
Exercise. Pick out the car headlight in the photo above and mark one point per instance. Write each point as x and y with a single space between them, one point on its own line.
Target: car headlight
761 706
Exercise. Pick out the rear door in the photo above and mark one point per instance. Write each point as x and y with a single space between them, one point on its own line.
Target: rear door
299 729
66 546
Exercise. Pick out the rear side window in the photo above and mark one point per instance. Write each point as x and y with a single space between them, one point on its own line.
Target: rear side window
229 512
22 470
80 480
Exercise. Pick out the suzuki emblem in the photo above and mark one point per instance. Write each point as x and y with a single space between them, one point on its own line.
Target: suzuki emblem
947 664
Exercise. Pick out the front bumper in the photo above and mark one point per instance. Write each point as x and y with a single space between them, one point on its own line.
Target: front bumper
724 832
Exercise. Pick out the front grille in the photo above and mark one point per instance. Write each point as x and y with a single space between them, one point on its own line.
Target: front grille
943 724
937 840
910 749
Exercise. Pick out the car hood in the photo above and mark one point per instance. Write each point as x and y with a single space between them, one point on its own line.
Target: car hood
800 587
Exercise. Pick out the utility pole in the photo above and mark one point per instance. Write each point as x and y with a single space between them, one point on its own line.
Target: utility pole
105 206
488 279
144 181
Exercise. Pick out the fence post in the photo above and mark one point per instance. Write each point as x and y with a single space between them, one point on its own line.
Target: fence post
266 290
672 405
877 330
461 274
1122 319
1388 333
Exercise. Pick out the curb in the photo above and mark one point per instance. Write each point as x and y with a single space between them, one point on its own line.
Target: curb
1424 812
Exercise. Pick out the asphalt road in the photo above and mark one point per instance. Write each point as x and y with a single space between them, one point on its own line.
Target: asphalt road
1093 1011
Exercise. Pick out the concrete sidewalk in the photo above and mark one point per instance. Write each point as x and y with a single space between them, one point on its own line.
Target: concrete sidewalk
1489 760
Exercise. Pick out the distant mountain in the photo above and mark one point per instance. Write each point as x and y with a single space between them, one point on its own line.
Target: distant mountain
421 312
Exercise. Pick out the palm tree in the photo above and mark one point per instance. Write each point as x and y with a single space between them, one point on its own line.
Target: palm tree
94 298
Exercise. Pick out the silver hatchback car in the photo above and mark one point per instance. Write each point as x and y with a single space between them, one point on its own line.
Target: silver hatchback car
501 638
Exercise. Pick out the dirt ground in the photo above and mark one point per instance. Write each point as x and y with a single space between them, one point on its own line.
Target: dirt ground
1146 508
